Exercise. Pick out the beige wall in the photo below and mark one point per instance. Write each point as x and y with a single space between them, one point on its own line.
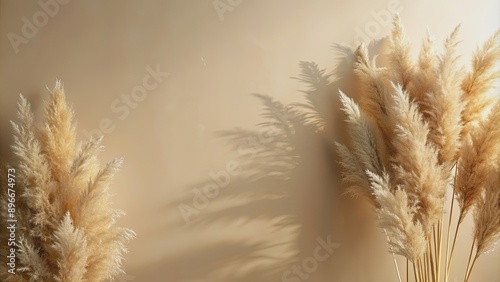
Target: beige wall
253 230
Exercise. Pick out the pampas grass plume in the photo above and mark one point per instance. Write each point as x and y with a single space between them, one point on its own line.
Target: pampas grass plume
67 227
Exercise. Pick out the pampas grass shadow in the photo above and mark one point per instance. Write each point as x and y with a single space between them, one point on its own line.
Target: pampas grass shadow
291 181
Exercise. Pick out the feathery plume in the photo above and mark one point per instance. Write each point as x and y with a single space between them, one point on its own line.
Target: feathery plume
364 135
444 105
375 99
66 222
416 161
415 123
71 245
401 67
487 215
423 80
353 174
478 156
33 265
479 81
396 213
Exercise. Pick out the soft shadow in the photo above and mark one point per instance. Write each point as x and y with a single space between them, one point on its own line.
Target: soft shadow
290 180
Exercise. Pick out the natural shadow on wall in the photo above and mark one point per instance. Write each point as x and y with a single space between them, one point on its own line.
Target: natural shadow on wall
287 187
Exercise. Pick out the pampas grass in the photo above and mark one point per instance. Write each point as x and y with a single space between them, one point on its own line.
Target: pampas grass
423 128
66 225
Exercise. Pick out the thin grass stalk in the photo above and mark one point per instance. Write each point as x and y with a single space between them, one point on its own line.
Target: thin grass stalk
415 271
397 268
453 247
440 245
420 269
436 258
407 274
430 262
447 262
431 259
423 264
394 259
469 260
434 239
427 267
472 266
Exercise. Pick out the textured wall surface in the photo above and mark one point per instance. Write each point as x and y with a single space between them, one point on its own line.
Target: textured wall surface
162 79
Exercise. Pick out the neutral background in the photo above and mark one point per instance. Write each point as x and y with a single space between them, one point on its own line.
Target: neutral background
254 230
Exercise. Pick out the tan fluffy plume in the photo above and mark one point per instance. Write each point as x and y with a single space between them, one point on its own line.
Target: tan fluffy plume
66 225
423 128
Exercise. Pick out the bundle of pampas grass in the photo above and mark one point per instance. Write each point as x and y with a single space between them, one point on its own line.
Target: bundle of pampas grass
423 128
65 226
